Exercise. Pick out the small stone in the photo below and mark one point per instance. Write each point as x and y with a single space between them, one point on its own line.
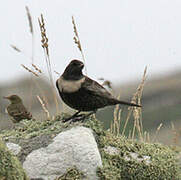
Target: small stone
134 156
14 148
111 150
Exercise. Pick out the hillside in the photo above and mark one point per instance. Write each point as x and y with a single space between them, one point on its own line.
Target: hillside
161 102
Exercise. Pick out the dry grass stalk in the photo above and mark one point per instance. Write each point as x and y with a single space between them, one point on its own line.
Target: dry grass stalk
36 68
41 90
44 107
129 134
29 19
32 55
57 73
44 37
175 134
156 133
119 121
115 126
126 122
77 41
137 112
115 120
137 124
44 42
15 48
111 128
29 70
146 137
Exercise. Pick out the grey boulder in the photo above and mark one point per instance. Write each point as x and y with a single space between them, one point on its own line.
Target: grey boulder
72 148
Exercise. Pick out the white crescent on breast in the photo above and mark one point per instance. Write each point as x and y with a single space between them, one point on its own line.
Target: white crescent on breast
69 86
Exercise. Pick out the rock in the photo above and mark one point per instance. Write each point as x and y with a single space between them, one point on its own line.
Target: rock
75 147
134 156
14 148
111 150
131 156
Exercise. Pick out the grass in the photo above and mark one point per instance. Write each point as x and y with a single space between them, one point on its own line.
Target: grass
136 112
77 42
45 47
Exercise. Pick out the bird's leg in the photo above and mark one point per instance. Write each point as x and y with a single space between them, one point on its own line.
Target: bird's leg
79 118
87 115
73 116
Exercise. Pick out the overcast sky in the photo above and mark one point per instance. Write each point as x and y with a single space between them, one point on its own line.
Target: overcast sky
119 38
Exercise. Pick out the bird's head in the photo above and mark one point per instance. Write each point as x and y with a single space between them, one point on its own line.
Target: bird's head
74 70
14 99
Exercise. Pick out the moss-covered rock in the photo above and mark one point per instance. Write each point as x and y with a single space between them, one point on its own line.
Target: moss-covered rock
161 164
10 167
151 161
34 134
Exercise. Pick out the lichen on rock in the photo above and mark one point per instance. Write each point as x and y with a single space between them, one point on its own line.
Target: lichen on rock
133 159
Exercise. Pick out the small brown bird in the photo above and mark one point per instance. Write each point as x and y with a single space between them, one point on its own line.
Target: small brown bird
16 109
82 93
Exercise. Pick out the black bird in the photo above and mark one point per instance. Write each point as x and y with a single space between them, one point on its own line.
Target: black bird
17 110
82 93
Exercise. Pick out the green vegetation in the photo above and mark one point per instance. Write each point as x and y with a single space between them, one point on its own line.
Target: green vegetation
10 167
72 173
33 128
162 163
163 160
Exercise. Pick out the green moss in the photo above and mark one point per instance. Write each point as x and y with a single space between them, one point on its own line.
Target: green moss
72 174
28 129
163 163
163 159
10 167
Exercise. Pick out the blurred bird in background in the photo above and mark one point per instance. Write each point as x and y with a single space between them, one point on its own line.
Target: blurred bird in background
16 109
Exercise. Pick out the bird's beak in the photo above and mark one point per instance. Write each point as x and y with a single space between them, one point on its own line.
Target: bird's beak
6 97
82 65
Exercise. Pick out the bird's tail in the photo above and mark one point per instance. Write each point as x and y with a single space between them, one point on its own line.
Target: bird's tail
127 103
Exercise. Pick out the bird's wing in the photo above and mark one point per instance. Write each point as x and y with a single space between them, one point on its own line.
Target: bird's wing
95 88
24 113
18 110
12 110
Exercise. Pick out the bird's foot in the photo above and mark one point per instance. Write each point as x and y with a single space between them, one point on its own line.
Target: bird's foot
72 118
78 117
